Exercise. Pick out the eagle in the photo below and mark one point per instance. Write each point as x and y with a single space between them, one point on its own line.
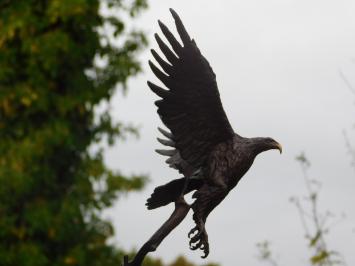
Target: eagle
205 149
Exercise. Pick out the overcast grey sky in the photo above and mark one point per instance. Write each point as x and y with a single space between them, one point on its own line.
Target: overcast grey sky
277 64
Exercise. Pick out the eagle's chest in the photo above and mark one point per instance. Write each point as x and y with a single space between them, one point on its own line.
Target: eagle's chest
230 164
240 162
240 165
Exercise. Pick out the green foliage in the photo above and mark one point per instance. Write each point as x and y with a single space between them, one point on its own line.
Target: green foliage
265 253
182 261
148 261
315 224
56 66
179 261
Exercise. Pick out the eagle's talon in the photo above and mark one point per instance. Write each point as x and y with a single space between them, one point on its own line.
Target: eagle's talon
206 252
192 231
195 237
194 243
199 239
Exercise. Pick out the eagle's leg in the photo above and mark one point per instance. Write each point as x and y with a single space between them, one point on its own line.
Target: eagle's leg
207 198
187 179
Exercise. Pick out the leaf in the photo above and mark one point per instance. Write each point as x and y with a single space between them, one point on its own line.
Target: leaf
315 239
320 257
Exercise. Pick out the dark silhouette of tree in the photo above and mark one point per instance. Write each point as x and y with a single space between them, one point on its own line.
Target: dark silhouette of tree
56 65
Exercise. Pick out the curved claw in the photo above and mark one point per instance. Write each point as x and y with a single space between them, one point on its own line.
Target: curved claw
194 245
192 231
206 252
199 240
195 238
195 241
199 245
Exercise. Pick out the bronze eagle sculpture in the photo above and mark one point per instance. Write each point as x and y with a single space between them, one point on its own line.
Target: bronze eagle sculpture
205 149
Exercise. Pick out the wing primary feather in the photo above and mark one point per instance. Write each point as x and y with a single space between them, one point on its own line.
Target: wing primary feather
166 133
166 50
164 65
158 90
170 37
166 152
158 103
160 75
180 28
166 142
170 160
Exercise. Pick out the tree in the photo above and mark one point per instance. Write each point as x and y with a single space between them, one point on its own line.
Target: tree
316 225
56 65
349 146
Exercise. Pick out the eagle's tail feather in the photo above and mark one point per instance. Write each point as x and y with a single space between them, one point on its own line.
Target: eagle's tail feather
170 192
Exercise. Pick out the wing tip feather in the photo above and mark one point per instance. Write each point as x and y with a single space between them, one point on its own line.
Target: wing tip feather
165 133
185 37
158 103
173 12
150 63
162 25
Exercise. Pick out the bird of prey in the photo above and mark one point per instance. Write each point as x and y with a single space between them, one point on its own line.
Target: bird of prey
205 149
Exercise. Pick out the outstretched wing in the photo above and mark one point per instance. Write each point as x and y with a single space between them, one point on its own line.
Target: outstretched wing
191 107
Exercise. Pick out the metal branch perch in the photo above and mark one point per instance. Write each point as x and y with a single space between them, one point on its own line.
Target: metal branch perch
180 212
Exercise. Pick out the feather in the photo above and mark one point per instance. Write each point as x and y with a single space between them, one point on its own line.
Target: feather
166 133
158 90
158 103
180 28
163 78
170 37
166 51
164 65
166 152
166 142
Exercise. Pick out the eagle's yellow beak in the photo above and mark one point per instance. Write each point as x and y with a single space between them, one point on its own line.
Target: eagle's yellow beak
279 147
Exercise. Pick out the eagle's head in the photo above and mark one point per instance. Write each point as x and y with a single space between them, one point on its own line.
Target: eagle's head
264 144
